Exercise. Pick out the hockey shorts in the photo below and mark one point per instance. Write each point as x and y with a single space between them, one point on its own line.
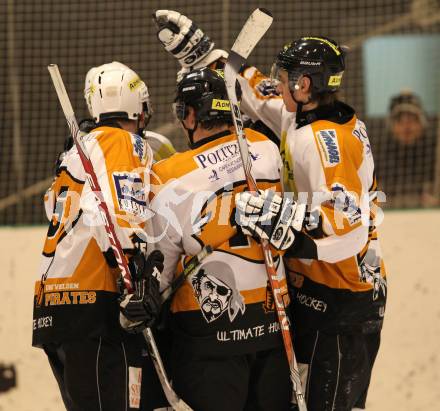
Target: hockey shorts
258 381
336 368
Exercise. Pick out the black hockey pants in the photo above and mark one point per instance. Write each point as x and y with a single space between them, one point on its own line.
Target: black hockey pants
336 368
253 382
95 374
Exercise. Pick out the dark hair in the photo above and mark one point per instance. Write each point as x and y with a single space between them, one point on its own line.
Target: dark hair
325 99
216 122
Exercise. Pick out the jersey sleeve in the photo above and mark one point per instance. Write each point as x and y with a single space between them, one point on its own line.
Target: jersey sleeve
259 99
121 162
335 229
164 227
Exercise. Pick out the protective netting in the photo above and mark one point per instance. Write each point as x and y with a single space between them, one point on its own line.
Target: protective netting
80 34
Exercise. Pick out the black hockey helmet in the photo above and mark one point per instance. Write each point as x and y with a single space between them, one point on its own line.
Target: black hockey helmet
205 90
319 58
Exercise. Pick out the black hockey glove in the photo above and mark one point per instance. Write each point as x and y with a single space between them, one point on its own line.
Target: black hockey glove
270 217
142 308
86 125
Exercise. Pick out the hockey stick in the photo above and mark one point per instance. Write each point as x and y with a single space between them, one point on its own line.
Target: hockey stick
253 30
190 267
177 403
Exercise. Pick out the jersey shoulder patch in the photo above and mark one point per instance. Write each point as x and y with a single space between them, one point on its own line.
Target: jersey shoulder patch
130 192
328 146
139 147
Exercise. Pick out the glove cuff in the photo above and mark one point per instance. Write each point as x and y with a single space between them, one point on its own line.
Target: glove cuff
188 58
214 55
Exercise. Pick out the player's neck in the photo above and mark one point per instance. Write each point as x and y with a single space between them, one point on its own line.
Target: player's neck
129 125
201 133
310 106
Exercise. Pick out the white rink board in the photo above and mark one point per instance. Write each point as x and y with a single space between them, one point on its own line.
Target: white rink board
407 372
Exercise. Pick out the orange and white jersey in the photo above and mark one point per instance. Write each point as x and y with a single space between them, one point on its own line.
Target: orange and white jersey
226 304
75 278
259 101
328 164
333 170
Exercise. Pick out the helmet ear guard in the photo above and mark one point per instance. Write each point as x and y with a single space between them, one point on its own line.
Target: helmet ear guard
180 110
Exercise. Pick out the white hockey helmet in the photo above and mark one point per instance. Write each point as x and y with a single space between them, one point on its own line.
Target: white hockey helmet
117 92
91 74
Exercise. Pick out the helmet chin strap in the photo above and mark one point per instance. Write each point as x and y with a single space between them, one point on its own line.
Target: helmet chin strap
140 130
299 104
191 132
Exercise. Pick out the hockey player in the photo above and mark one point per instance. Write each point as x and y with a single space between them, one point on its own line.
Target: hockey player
335 263
227 350
77 304
161 146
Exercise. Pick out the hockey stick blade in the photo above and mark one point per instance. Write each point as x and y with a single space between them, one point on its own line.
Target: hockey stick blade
253 30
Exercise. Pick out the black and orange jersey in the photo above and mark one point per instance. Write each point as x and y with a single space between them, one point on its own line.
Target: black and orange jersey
327 163
77 288
226 305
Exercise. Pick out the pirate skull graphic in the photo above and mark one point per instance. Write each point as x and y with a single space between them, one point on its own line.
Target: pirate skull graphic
216 291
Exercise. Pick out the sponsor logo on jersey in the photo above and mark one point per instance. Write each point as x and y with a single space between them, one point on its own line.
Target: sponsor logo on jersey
223 105
139 146
213 176
360 132
329 147
217 155
221 155
130 192
134 386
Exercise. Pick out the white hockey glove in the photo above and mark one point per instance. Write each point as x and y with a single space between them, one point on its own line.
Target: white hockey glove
142 308
270 217
185 41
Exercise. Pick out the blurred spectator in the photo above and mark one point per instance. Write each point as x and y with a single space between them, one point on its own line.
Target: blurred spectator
405 158
8 377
